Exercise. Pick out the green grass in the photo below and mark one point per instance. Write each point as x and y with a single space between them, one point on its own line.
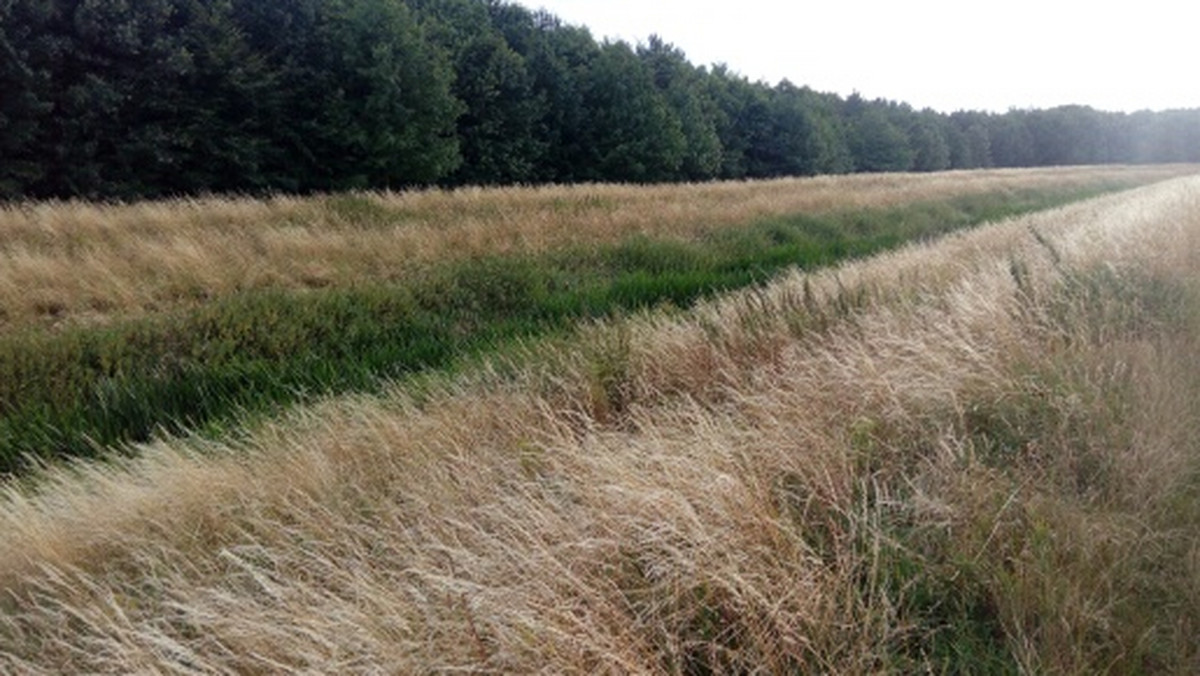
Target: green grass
78 392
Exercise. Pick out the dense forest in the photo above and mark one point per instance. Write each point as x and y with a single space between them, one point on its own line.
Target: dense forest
140 98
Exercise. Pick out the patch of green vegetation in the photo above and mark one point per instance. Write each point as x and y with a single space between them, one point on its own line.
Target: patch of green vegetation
953 620
81 391
359 209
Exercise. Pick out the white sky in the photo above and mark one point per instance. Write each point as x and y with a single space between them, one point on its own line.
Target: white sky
947 55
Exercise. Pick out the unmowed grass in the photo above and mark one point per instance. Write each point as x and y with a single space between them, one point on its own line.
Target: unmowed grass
972 455
78 391
72 263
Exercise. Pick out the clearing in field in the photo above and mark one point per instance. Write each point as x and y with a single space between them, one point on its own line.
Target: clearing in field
973 454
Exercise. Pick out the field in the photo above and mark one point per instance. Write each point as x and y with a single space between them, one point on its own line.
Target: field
888 423
128 321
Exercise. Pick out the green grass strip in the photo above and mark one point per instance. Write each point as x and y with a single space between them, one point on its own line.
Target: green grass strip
80 392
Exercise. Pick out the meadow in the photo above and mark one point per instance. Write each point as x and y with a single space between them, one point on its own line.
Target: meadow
126 321
816 425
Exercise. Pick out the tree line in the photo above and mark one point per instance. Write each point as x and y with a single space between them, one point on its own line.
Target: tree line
124 99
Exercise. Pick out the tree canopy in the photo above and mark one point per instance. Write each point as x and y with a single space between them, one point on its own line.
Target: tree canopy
125 99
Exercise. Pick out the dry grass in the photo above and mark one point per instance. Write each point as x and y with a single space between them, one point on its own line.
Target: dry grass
81 262
839 474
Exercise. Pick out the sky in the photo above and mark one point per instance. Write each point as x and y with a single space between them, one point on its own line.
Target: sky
1114 55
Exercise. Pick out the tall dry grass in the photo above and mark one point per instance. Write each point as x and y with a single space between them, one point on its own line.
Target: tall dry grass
976 455
84 262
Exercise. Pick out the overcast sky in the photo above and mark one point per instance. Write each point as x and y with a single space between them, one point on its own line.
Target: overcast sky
943 54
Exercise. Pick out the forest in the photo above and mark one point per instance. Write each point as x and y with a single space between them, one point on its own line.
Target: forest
126 99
